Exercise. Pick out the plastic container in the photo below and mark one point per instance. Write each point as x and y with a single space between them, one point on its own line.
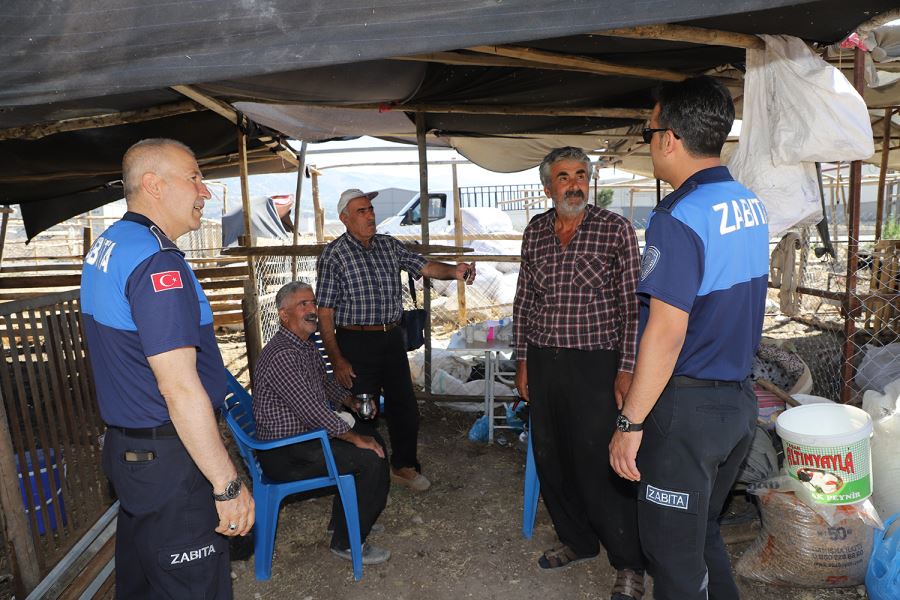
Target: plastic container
50 490
826 447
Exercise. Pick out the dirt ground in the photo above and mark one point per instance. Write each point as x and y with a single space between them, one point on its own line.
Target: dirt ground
461 539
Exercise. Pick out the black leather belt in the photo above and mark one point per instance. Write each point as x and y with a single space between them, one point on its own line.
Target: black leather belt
684 381
166 430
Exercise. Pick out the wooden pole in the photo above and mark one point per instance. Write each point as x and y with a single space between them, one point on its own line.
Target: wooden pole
318 213
693 35
252 327
882 175
4 222
86 240
15 522
851 301
631 206
458 240
589 65
247 238
424 203
297 194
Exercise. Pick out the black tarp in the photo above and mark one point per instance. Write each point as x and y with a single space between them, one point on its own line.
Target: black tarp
71 58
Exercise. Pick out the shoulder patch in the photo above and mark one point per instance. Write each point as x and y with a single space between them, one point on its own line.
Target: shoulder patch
649 261
166 280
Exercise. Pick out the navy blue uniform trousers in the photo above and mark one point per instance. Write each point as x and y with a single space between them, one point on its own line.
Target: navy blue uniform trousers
166 546
573 415
695 440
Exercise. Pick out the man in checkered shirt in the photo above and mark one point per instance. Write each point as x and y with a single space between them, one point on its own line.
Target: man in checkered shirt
360 305
292 394
575 325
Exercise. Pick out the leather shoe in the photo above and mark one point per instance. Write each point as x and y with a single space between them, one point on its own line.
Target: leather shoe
409 477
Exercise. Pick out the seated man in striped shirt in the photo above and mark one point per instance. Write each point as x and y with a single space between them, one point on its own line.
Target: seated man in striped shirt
292 394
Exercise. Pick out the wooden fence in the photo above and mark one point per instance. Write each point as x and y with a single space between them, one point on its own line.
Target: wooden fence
52 488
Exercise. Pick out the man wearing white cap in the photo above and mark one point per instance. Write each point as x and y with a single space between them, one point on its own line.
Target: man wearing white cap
360 303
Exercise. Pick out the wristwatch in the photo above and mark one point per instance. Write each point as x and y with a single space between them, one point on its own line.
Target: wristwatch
232 490
625 425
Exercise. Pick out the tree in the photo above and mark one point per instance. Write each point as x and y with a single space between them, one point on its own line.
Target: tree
603 197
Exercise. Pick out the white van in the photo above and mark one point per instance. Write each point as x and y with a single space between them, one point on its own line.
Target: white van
407 223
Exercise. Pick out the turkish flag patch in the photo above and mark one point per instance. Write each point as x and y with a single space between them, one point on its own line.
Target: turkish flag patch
167 280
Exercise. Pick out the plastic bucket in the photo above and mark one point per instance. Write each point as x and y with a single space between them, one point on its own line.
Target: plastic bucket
826 446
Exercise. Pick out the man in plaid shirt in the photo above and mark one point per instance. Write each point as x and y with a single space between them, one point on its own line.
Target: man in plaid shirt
360 305
575 325
292 394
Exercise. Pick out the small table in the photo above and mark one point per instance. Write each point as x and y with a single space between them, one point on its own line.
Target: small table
492 352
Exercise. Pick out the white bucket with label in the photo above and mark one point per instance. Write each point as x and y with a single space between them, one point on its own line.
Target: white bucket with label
826 447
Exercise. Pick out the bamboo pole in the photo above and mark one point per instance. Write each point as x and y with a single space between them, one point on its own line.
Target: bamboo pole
851 302
693 35
590 65
424 202
318 213
882 175
301 168
458 240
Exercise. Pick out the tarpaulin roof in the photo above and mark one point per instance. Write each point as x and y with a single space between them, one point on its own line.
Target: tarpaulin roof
70 59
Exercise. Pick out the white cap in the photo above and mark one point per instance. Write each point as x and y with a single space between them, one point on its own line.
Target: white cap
352 194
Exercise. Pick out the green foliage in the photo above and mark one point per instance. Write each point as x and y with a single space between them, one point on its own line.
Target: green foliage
603 197
891 229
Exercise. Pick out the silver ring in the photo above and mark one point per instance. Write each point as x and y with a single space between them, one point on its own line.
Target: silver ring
232 526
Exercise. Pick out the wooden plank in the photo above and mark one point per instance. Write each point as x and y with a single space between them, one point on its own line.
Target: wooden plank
74 590
587 64
640 114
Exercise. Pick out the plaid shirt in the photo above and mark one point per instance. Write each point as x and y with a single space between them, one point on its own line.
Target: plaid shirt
291 391
581 296
362 284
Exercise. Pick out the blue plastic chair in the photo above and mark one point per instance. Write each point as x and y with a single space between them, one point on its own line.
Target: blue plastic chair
532 491
268 493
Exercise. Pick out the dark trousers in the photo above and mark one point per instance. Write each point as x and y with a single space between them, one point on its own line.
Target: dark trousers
381 365
305 460
166 546
573 413
695 440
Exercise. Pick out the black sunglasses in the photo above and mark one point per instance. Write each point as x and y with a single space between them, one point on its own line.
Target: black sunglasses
647 133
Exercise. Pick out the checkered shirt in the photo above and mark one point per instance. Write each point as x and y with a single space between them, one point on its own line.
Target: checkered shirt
362 284
583 296
291 391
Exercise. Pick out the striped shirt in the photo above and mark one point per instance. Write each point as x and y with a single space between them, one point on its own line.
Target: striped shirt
291 391
362 284
581 296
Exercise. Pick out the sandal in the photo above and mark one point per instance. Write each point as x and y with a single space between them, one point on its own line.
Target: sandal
561 558
629 585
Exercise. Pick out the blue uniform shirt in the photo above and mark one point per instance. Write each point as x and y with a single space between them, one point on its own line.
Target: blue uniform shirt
140 298
707 253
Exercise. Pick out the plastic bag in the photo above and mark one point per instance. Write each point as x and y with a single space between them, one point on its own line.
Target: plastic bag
885 412
880 365
821 547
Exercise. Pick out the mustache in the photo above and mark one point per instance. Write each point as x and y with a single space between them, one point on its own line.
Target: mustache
574 194
311 318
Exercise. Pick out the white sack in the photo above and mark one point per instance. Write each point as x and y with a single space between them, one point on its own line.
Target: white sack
772 85
885 413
